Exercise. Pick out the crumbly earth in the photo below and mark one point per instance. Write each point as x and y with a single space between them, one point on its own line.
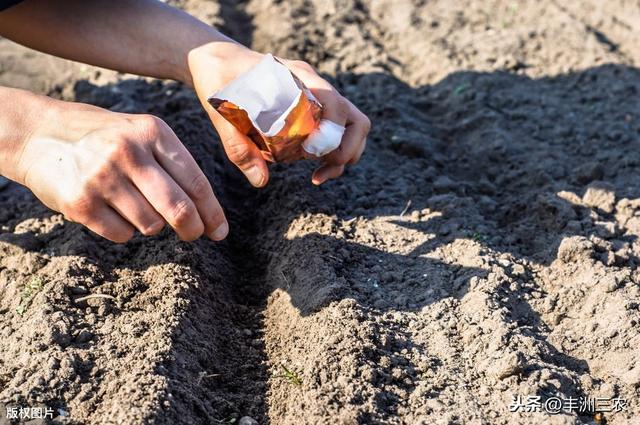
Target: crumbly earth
485 248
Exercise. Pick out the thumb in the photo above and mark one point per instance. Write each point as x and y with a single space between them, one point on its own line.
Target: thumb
241 151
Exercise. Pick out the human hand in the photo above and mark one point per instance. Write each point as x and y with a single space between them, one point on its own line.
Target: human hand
116 172
213 65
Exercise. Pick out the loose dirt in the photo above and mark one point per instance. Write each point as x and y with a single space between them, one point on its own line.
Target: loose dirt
486 246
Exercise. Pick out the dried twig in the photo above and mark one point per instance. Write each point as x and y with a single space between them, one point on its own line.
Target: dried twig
285 279
88 297
406 208
203 375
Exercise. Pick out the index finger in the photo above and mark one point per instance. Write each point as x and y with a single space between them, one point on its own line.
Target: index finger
334 107
180 165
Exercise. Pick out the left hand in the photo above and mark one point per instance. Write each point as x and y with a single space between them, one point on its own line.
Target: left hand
213 65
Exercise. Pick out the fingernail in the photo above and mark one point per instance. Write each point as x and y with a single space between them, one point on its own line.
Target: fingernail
255 176
221 232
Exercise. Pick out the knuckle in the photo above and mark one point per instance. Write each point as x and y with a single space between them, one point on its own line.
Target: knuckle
342 106
199 187
339 157
125 150
339 107
79 208
150 125
356 158
181 213
366 124
239 153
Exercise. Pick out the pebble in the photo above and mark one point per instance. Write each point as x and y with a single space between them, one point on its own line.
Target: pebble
84 336
247 420
79 290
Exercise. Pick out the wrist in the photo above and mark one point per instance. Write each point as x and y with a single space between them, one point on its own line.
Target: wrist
213 65
21 115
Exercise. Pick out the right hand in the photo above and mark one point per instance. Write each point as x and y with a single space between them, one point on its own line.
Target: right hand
213 65
115 173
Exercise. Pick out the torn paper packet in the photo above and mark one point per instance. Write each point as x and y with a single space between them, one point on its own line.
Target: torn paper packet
277 112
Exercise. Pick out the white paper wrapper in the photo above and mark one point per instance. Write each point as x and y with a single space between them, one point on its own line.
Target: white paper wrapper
274 108
325 139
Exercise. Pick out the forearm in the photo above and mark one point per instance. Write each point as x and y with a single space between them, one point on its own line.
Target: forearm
144 37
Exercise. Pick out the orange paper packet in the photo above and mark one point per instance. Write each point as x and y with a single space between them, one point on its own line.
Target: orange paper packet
272 107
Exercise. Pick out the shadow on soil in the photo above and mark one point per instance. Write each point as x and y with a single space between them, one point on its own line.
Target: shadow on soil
490 157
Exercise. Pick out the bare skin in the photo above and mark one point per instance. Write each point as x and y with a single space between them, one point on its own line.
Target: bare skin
116 173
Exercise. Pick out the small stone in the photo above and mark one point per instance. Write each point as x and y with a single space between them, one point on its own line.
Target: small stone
84 336
247 420
79 290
